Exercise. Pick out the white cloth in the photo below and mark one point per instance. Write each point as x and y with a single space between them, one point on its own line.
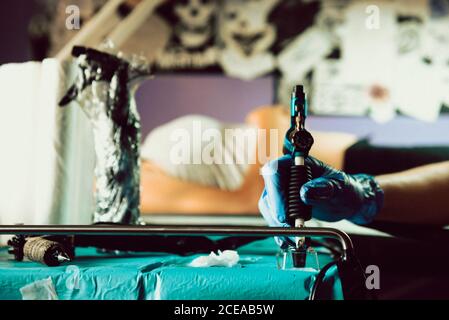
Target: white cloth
195 133
227 258
47 157
40 290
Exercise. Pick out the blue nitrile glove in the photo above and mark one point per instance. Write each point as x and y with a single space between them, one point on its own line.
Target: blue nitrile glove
333 194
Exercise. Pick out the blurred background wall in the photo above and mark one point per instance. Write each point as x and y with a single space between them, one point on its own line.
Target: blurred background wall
14 19
172 95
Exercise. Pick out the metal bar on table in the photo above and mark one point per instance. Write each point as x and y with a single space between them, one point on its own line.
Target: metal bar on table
130 230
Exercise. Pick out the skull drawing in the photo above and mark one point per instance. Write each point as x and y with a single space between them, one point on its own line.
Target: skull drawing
194 27
244 26
247 35
194 13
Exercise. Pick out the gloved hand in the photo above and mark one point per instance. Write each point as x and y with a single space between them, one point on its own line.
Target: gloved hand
333 194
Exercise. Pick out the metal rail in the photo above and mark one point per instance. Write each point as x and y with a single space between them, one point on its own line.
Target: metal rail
139 230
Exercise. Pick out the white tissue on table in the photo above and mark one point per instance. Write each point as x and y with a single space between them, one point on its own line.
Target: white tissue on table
39 290
227 258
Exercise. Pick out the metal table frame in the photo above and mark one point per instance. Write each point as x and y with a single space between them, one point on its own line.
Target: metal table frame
150 230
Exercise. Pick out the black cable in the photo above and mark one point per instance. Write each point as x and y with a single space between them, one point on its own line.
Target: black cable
319 279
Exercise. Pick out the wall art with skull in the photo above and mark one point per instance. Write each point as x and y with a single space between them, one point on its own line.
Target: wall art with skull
192 40
247 35
238 37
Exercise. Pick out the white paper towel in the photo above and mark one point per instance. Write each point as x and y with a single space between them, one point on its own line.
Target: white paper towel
39 290
227 258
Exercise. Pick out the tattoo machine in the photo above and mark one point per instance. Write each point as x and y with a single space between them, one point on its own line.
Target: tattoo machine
298 142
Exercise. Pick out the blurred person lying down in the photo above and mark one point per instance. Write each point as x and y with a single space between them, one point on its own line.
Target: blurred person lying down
194 185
